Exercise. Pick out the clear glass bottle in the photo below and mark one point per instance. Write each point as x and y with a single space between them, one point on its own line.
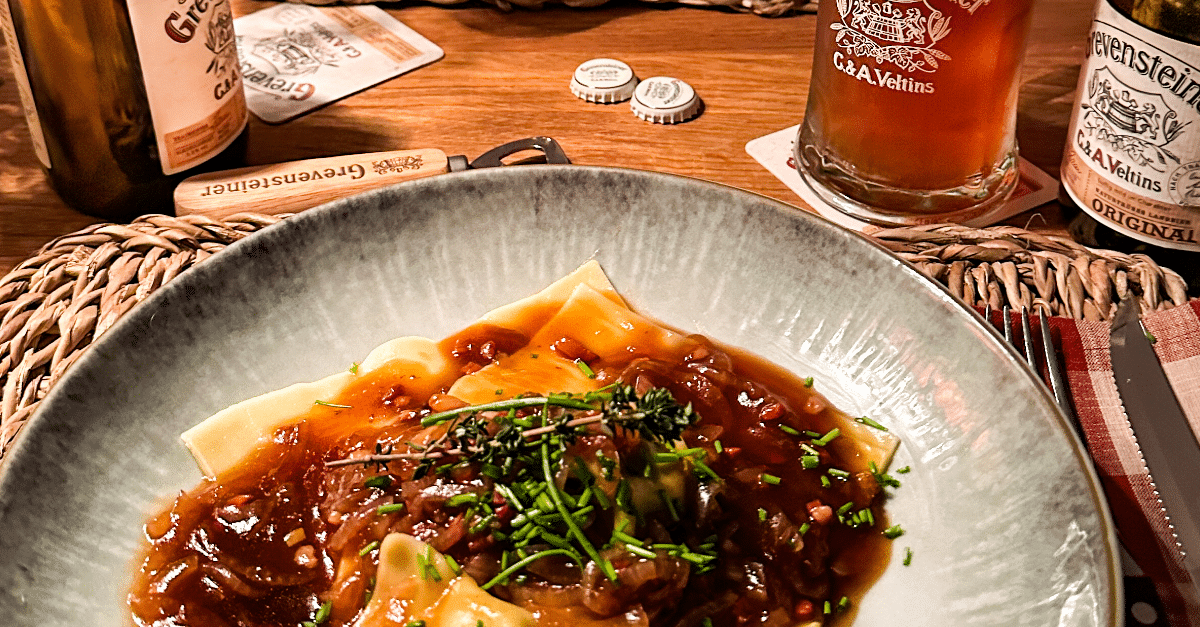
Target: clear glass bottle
1131 168
126 97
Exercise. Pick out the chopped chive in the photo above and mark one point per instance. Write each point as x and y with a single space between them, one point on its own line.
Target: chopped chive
479 623
703 471
870 423
893 532
808 450
625 496
366 550
499 391
788 430
670 502
903 471
432 568
492 471
825 482
354 368
328 404
582 539
415 623
322 614
581 471
462 499
423 565
707 622
808 462
1150 337
804 528
762 514
811 434
482 524
771 479
666 458
849 505
828 437
390 509
808 382
506 572
637 550
907 556
533 355
843 604
828 608
869 517
382 482
872 467
454 567
838 473
720 449
585 369
602 499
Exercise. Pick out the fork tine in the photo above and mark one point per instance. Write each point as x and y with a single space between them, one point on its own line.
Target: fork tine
1057 382
1027 335
1007 322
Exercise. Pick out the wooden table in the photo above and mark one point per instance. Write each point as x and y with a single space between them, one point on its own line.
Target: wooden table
505 76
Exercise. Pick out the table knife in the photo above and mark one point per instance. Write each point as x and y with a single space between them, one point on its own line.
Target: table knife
1169 448
297 185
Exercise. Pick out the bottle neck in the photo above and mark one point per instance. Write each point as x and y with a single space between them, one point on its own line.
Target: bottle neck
1177 19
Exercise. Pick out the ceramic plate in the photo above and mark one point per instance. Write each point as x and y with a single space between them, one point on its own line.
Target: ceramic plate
1003 517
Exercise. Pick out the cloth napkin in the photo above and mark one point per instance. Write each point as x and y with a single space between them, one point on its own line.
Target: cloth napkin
1156 566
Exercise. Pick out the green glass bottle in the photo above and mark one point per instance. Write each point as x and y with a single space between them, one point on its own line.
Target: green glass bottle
1131 168
124 98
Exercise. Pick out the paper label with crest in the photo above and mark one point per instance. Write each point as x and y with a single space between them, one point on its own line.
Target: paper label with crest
189 67
1132 159
296 58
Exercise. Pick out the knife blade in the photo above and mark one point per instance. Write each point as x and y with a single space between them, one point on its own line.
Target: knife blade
1169 448
297 185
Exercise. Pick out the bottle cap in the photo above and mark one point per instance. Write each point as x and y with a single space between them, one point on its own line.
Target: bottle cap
604 81
665 100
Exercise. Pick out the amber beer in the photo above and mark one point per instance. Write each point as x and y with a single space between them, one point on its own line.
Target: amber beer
912 107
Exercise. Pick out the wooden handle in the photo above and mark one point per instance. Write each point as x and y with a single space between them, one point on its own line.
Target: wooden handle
298 185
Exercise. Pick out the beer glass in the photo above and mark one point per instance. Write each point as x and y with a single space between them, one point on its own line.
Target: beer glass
912 108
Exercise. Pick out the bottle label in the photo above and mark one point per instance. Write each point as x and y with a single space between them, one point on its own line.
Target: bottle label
189 61
22 78
1132 159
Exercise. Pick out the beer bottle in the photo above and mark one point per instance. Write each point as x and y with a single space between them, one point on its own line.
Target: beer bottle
1131 168
124 98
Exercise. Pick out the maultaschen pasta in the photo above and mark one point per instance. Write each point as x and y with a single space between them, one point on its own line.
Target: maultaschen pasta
564 461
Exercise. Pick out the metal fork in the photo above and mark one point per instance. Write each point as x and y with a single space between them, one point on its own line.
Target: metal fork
1054 377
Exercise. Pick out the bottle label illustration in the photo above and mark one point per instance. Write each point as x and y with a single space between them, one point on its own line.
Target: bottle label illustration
1133 152
188 47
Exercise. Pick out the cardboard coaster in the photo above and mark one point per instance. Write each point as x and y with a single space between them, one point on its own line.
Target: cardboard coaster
296 58
774 152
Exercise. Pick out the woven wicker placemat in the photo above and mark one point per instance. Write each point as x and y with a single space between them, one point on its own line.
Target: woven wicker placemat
55 304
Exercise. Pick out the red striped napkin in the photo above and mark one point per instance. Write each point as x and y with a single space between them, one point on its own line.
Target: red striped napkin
1155 575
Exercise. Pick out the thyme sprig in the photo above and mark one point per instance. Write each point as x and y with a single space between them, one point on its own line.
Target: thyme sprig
656 416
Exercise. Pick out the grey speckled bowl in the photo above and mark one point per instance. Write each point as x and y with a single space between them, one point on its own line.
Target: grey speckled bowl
1004 519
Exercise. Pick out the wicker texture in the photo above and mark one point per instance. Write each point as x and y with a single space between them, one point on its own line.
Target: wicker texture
769 8
55 304
1008 265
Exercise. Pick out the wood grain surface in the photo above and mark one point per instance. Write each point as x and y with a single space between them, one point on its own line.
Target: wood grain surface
505 76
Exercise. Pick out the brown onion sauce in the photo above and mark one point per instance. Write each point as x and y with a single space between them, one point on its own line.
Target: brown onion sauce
269 542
